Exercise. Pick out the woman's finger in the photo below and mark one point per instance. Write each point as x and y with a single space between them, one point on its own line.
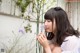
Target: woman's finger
43 35
40 39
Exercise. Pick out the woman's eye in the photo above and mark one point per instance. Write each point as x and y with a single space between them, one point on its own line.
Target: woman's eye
48 20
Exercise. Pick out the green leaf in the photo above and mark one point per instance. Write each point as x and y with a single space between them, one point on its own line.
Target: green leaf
23 4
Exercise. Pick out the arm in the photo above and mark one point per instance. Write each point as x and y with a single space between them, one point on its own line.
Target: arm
47 50
44 42
57 49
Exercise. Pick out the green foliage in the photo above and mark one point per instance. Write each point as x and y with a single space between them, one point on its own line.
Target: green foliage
28 28
0 0
37 4
23 5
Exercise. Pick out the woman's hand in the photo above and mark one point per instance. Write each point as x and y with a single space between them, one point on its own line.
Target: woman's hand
43 40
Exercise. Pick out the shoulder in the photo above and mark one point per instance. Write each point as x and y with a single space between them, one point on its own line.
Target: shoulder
71 38
70 42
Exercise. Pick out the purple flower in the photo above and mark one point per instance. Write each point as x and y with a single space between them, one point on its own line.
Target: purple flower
21 30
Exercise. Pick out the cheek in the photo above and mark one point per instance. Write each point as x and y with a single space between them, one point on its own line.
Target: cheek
50 27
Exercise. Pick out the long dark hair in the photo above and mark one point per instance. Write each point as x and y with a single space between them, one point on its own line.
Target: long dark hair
63 25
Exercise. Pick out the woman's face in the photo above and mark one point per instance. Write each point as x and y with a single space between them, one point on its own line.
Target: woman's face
49 26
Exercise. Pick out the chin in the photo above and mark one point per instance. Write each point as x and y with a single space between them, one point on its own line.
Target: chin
48 31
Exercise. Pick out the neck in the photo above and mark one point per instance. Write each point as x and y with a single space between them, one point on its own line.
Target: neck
55 32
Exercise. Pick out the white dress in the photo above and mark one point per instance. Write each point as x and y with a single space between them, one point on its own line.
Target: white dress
71 45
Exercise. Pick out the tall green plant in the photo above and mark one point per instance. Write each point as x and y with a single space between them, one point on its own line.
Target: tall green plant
37 6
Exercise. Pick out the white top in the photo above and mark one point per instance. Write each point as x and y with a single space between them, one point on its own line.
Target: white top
71 45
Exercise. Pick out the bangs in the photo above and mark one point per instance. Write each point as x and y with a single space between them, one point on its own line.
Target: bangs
49 15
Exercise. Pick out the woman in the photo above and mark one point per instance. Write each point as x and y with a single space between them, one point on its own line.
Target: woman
62 38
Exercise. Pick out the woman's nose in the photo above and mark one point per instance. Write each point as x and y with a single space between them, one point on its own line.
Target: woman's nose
45 23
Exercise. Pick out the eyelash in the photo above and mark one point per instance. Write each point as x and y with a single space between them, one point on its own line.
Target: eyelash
47 20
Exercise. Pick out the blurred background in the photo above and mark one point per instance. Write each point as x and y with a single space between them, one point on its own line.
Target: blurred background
22 20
